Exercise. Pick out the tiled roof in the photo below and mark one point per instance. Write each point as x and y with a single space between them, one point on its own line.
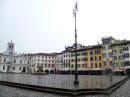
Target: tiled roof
89 47
121 42
44 54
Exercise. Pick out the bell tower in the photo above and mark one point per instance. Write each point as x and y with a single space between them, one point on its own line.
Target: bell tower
10 48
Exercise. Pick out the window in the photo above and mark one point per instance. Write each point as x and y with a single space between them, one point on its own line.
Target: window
28 61
72 65
104 48
72 60
100 65
37 64
110 63
106 41
78 54
52 65
122 64
14 68
114 51
14 61
115 57
121 57
91 58
78 65
100 58
110 55
105 63
3 67
120 51
4 60
84 65
84 53
95 58
97 51
125 49
109 47
78 59
115 64
49 65
19 68
126 55
104 55
84 59
95 65
72 55
91 65
91 52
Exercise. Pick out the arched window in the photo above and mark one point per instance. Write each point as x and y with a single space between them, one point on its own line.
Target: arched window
3 67
14 60
14 68
4 60
20 61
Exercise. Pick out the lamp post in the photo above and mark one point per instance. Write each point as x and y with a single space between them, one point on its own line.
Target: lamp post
75 9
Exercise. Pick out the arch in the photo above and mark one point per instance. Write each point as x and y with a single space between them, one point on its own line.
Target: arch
108 71
127 71
47 71
24 69
52 72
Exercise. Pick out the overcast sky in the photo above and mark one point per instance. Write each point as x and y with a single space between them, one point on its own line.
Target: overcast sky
48 25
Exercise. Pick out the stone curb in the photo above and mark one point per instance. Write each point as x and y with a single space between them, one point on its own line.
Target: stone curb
62 91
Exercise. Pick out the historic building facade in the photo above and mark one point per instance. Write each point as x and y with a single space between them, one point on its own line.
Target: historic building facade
94 59
13 62
59 62
107 52
121 58
89 60
118 57
43 62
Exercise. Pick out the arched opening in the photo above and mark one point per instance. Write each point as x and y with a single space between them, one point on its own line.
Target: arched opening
108 71
24 69
47 71
52 72
8 68
128 71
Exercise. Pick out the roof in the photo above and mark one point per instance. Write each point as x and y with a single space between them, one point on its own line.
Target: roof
89 47
121 42
108 37
44 54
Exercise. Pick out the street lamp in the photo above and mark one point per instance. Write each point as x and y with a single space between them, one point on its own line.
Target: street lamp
75 9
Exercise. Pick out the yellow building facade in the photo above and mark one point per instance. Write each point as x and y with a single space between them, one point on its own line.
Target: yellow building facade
89 59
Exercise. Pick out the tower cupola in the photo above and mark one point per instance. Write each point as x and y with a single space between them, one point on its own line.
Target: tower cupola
10 48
